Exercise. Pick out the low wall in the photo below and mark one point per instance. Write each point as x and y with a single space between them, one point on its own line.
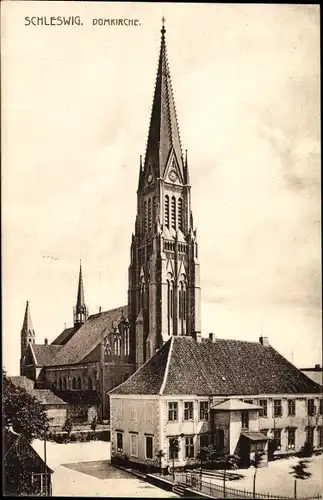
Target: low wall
165 484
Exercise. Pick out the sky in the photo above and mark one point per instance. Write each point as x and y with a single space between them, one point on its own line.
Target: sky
76 103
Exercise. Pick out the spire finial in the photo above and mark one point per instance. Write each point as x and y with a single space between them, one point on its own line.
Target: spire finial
163 30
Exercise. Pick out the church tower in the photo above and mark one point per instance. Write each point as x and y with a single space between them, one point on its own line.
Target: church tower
80 310
164 282
27 336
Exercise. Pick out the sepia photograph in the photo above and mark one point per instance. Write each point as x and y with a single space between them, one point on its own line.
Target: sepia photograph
161 250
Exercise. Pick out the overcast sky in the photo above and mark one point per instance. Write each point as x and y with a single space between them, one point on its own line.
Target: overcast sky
76 103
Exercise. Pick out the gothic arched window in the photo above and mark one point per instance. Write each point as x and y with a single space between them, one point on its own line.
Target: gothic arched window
149 214
145 216
154 208
117 346
167 210
173 213
64 384
74 383
60 384
168 306
180 214
142 293
126 342
79 383
89 384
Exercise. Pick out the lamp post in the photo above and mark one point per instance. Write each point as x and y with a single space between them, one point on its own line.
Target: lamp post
45 458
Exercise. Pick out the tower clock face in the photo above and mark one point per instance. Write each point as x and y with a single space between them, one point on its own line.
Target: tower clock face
173 175
149 178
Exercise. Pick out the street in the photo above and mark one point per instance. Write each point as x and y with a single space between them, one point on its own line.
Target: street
81 469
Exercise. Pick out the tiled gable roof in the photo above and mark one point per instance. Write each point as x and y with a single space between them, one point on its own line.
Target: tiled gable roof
14 443
88 336
44 396
149 378
222 367
64 336
45 353
23 382
47 397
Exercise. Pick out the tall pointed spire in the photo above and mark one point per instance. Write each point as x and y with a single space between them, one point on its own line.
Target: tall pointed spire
27 325
27 336
80 302
163 130
80 311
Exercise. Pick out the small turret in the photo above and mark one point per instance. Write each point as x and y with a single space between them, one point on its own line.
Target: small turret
80 310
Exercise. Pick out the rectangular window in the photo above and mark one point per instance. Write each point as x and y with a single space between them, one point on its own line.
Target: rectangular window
149 447
291 439
263 410
170 452
134 445
277 408
188 410
172 412
189 447
120 442
310 435
277 438
310 407
320 436
245 420
204 440
291 407
204 410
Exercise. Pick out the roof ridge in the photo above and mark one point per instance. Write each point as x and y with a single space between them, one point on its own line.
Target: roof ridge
140 368
33 353
167 366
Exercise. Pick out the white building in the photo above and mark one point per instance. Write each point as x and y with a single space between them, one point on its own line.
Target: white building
233 394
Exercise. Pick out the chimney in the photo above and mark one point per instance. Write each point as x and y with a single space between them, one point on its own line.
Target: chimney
264 341
317 367
46 341
100 309
211 336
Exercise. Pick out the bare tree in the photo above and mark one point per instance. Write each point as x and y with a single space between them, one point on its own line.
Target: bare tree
256 461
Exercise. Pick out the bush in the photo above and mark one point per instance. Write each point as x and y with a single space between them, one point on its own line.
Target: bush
94 424
68 426
307 450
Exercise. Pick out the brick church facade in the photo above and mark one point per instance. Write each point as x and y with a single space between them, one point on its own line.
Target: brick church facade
102 350
148 358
